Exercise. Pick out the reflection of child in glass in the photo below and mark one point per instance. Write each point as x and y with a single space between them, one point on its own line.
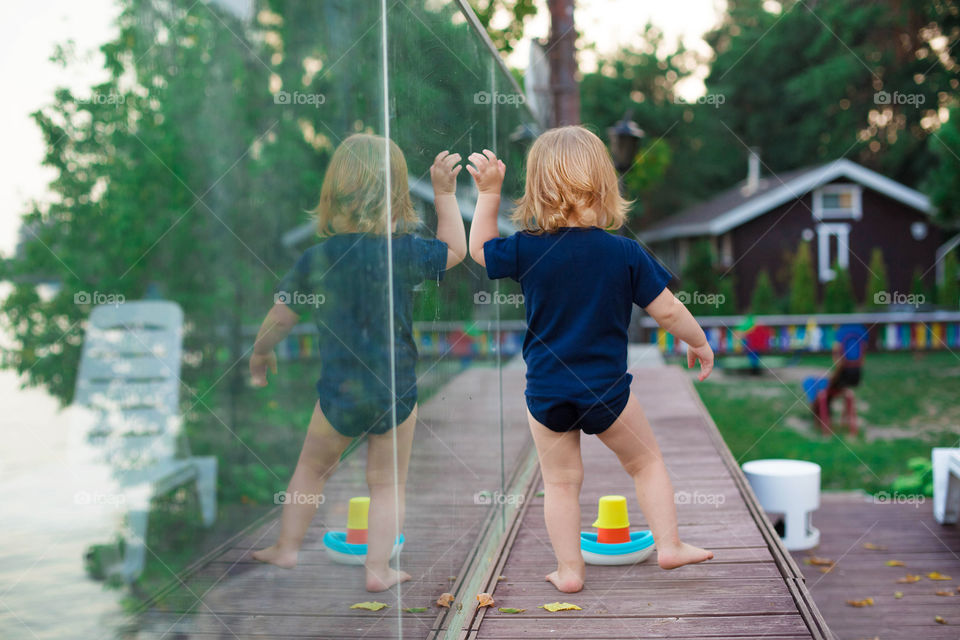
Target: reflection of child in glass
580 284
343 283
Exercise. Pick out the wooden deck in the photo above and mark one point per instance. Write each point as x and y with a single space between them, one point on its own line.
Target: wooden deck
910 535
752 589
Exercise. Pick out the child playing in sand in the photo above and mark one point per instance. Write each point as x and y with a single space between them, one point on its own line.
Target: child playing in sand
342 283
580 284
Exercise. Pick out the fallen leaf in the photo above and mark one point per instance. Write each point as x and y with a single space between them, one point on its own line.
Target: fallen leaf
501 577
910 578
539 494
866 602
445 600
452 578
945 593
415 609
898 594
559 606
939 620
874 547
371 606
819 562
826 569
895 563
936 575
510 610
484 600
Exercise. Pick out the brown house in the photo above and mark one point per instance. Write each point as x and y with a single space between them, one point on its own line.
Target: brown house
843 210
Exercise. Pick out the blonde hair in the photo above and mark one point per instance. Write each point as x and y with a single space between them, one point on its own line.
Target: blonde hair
353 196
569 170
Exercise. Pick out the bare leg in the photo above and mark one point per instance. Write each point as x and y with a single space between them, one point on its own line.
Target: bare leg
631 438
562 470
387 485
318 458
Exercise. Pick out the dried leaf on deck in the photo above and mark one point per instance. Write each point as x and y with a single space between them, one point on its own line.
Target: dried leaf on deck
826 569
510 610
936 575
415 609
874 547
371 606
910 578
484 600
445 600
559 606
945 593
866 602
939 620
895 563
819 562
898 594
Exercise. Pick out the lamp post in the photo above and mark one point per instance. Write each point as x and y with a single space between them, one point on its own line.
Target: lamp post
624 138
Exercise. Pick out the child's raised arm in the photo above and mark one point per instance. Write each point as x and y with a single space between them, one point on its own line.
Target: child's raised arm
276 326
488 173
674 318
450 229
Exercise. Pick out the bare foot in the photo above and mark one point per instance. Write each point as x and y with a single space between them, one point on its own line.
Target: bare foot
680 555
383 579
566 580
285 559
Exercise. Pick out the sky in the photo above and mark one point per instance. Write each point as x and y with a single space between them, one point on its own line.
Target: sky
30 29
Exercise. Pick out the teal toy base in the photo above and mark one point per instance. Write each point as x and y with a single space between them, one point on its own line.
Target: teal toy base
343 552
637 550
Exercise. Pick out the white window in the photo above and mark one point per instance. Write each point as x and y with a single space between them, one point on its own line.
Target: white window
837 202
833 246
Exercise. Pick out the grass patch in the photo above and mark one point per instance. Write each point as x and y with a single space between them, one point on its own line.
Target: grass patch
907 403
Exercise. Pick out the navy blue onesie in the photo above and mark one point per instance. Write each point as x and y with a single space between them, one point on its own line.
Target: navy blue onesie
579 286
342 283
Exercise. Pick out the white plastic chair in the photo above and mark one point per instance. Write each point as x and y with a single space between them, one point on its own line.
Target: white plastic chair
946 484
126 414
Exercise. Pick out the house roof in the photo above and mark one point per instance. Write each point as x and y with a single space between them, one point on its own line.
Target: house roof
734 207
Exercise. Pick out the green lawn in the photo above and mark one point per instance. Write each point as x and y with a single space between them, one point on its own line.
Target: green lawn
907 403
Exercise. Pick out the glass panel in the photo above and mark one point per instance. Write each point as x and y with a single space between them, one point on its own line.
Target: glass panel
254 178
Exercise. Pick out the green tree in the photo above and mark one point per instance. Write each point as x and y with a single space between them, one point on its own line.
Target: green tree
803 284
516 11
948 292
876 279
943 181
727 296
763 300
838 293
699 279
919 287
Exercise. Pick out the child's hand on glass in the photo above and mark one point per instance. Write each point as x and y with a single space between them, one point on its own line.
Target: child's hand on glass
443 173
487 171
259 363
704 354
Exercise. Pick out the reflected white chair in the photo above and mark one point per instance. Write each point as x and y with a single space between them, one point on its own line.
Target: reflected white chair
125 415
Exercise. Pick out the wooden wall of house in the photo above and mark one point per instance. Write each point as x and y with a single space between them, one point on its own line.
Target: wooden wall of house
767 241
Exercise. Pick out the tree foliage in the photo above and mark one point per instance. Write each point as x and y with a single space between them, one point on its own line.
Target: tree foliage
803 284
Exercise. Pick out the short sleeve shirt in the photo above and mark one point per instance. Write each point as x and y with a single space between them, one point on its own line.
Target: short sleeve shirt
579 286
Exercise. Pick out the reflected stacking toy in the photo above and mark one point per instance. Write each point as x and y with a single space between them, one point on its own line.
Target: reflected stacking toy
350 547
613 543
